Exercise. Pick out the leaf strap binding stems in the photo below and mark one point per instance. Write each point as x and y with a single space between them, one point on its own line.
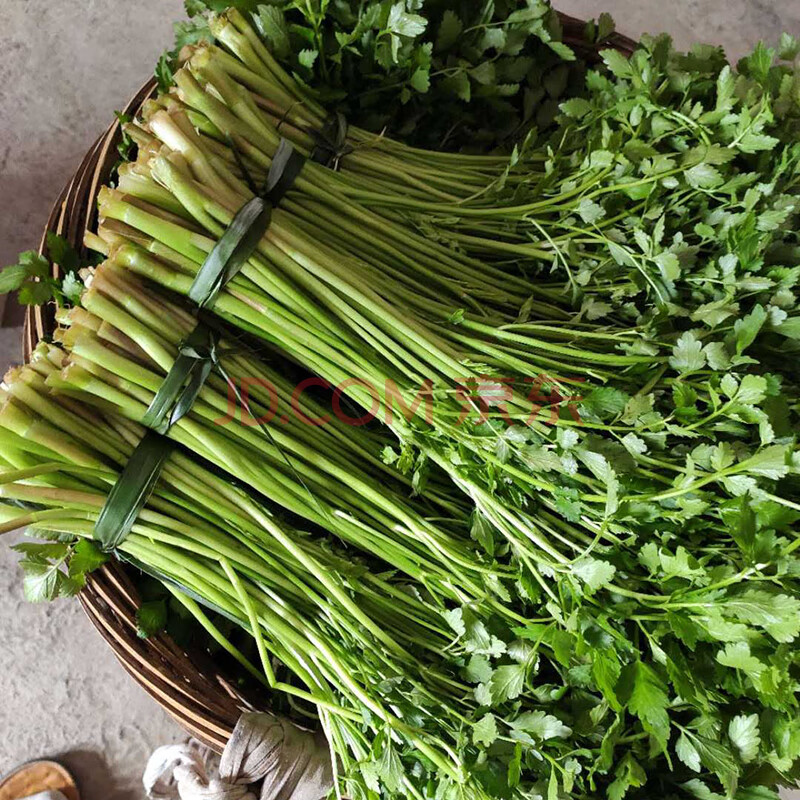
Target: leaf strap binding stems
330 143
247 228
131 491
196 358
285 167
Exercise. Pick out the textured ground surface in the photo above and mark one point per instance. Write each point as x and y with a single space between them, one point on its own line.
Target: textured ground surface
63 71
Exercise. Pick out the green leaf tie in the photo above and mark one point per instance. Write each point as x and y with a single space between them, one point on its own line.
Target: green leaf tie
131 491
330 143
196 358
247 228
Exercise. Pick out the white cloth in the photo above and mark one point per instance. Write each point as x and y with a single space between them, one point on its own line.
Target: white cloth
49 795
291 762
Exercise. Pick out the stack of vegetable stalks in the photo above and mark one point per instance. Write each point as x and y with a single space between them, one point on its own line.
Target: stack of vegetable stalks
618 572
331 287
216 543
339 629
384 166
310 470
306 281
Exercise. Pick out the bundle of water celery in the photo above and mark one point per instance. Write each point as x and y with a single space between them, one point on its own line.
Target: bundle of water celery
527 526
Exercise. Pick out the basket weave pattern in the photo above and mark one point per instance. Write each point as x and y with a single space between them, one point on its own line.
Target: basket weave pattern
188 685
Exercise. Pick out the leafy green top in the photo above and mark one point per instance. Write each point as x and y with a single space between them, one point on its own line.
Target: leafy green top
445 74
665 227
32 276
57 568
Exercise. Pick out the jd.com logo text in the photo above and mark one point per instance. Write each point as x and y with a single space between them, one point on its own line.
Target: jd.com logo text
476 400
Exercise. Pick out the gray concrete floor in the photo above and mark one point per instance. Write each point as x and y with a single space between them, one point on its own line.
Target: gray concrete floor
65 67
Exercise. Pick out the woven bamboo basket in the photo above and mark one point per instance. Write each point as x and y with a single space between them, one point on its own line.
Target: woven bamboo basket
190 686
